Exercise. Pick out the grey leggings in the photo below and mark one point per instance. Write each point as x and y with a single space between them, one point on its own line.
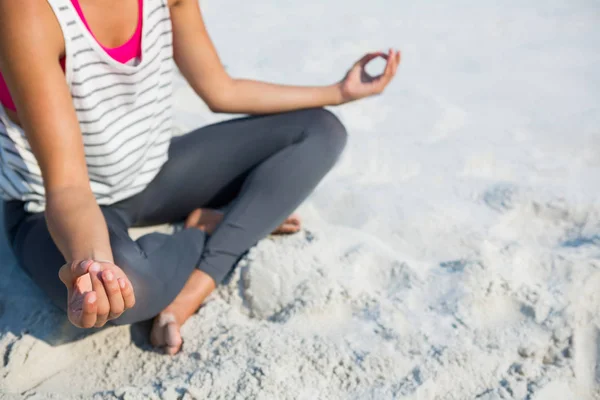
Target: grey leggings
261 167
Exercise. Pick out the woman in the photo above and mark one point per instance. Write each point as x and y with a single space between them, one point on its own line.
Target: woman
87 153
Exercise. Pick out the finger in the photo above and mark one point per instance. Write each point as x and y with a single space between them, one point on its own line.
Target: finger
113 291
370 56
387 75
75 308
127 292
397 59
102 304
380 80
389 67
88 313
377 81
71 271
395 69
379 85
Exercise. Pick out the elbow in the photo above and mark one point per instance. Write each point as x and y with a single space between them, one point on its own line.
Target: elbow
216 107
220 97
220 100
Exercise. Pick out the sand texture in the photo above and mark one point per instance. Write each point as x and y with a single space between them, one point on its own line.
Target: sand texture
452 254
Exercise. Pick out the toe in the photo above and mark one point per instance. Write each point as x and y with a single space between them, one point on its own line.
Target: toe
173 338
166 334
294 219
286 229
292 224
157 337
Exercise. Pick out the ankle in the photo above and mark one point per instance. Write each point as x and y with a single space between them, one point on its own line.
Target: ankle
191 297
174 314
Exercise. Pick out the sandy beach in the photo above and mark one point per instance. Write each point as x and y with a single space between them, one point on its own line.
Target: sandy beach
452 254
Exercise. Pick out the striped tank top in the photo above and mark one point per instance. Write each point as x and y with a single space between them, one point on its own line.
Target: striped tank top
124 112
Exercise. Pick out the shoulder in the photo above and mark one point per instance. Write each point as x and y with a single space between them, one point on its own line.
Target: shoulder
30 23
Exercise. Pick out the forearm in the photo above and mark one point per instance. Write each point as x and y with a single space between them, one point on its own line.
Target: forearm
77 225
243 96
198 61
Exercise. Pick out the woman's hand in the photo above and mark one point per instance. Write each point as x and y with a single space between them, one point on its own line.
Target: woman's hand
358 83
98 291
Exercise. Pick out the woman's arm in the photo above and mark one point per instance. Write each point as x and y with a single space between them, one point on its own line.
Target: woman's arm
30 47
31 44
199 63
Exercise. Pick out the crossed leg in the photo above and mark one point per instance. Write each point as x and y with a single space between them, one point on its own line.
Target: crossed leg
284 157
261 168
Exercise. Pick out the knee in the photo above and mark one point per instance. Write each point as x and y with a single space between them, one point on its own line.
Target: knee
329 128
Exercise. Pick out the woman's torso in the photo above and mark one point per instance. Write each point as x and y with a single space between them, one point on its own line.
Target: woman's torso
122 99
125 51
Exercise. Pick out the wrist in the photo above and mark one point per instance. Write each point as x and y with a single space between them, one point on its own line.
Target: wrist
93 255
337 94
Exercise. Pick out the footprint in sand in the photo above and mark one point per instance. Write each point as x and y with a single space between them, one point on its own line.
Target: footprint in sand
500 197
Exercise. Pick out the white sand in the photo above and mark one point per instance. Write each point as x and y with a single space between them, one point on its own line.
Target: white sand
454 253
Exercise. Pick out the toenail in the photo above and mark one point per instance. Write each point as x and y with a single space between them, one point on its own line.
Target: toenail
108 276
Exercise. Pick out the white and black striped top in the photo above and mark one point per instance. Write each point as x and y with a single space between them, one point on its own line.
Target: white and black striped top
124 112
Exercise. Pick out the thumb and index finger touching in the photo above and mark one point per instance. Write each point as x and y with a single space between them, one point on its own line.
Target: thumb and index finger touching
73 270
70 272
390 56
369 57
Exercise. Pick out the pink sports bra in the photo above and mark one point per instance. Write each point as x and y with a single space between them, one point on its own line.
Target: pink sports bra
124 54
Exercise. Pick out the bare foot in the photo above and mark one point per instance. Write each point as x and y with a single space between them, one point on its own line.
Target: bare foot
204 219
166 330
207 220
166 333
